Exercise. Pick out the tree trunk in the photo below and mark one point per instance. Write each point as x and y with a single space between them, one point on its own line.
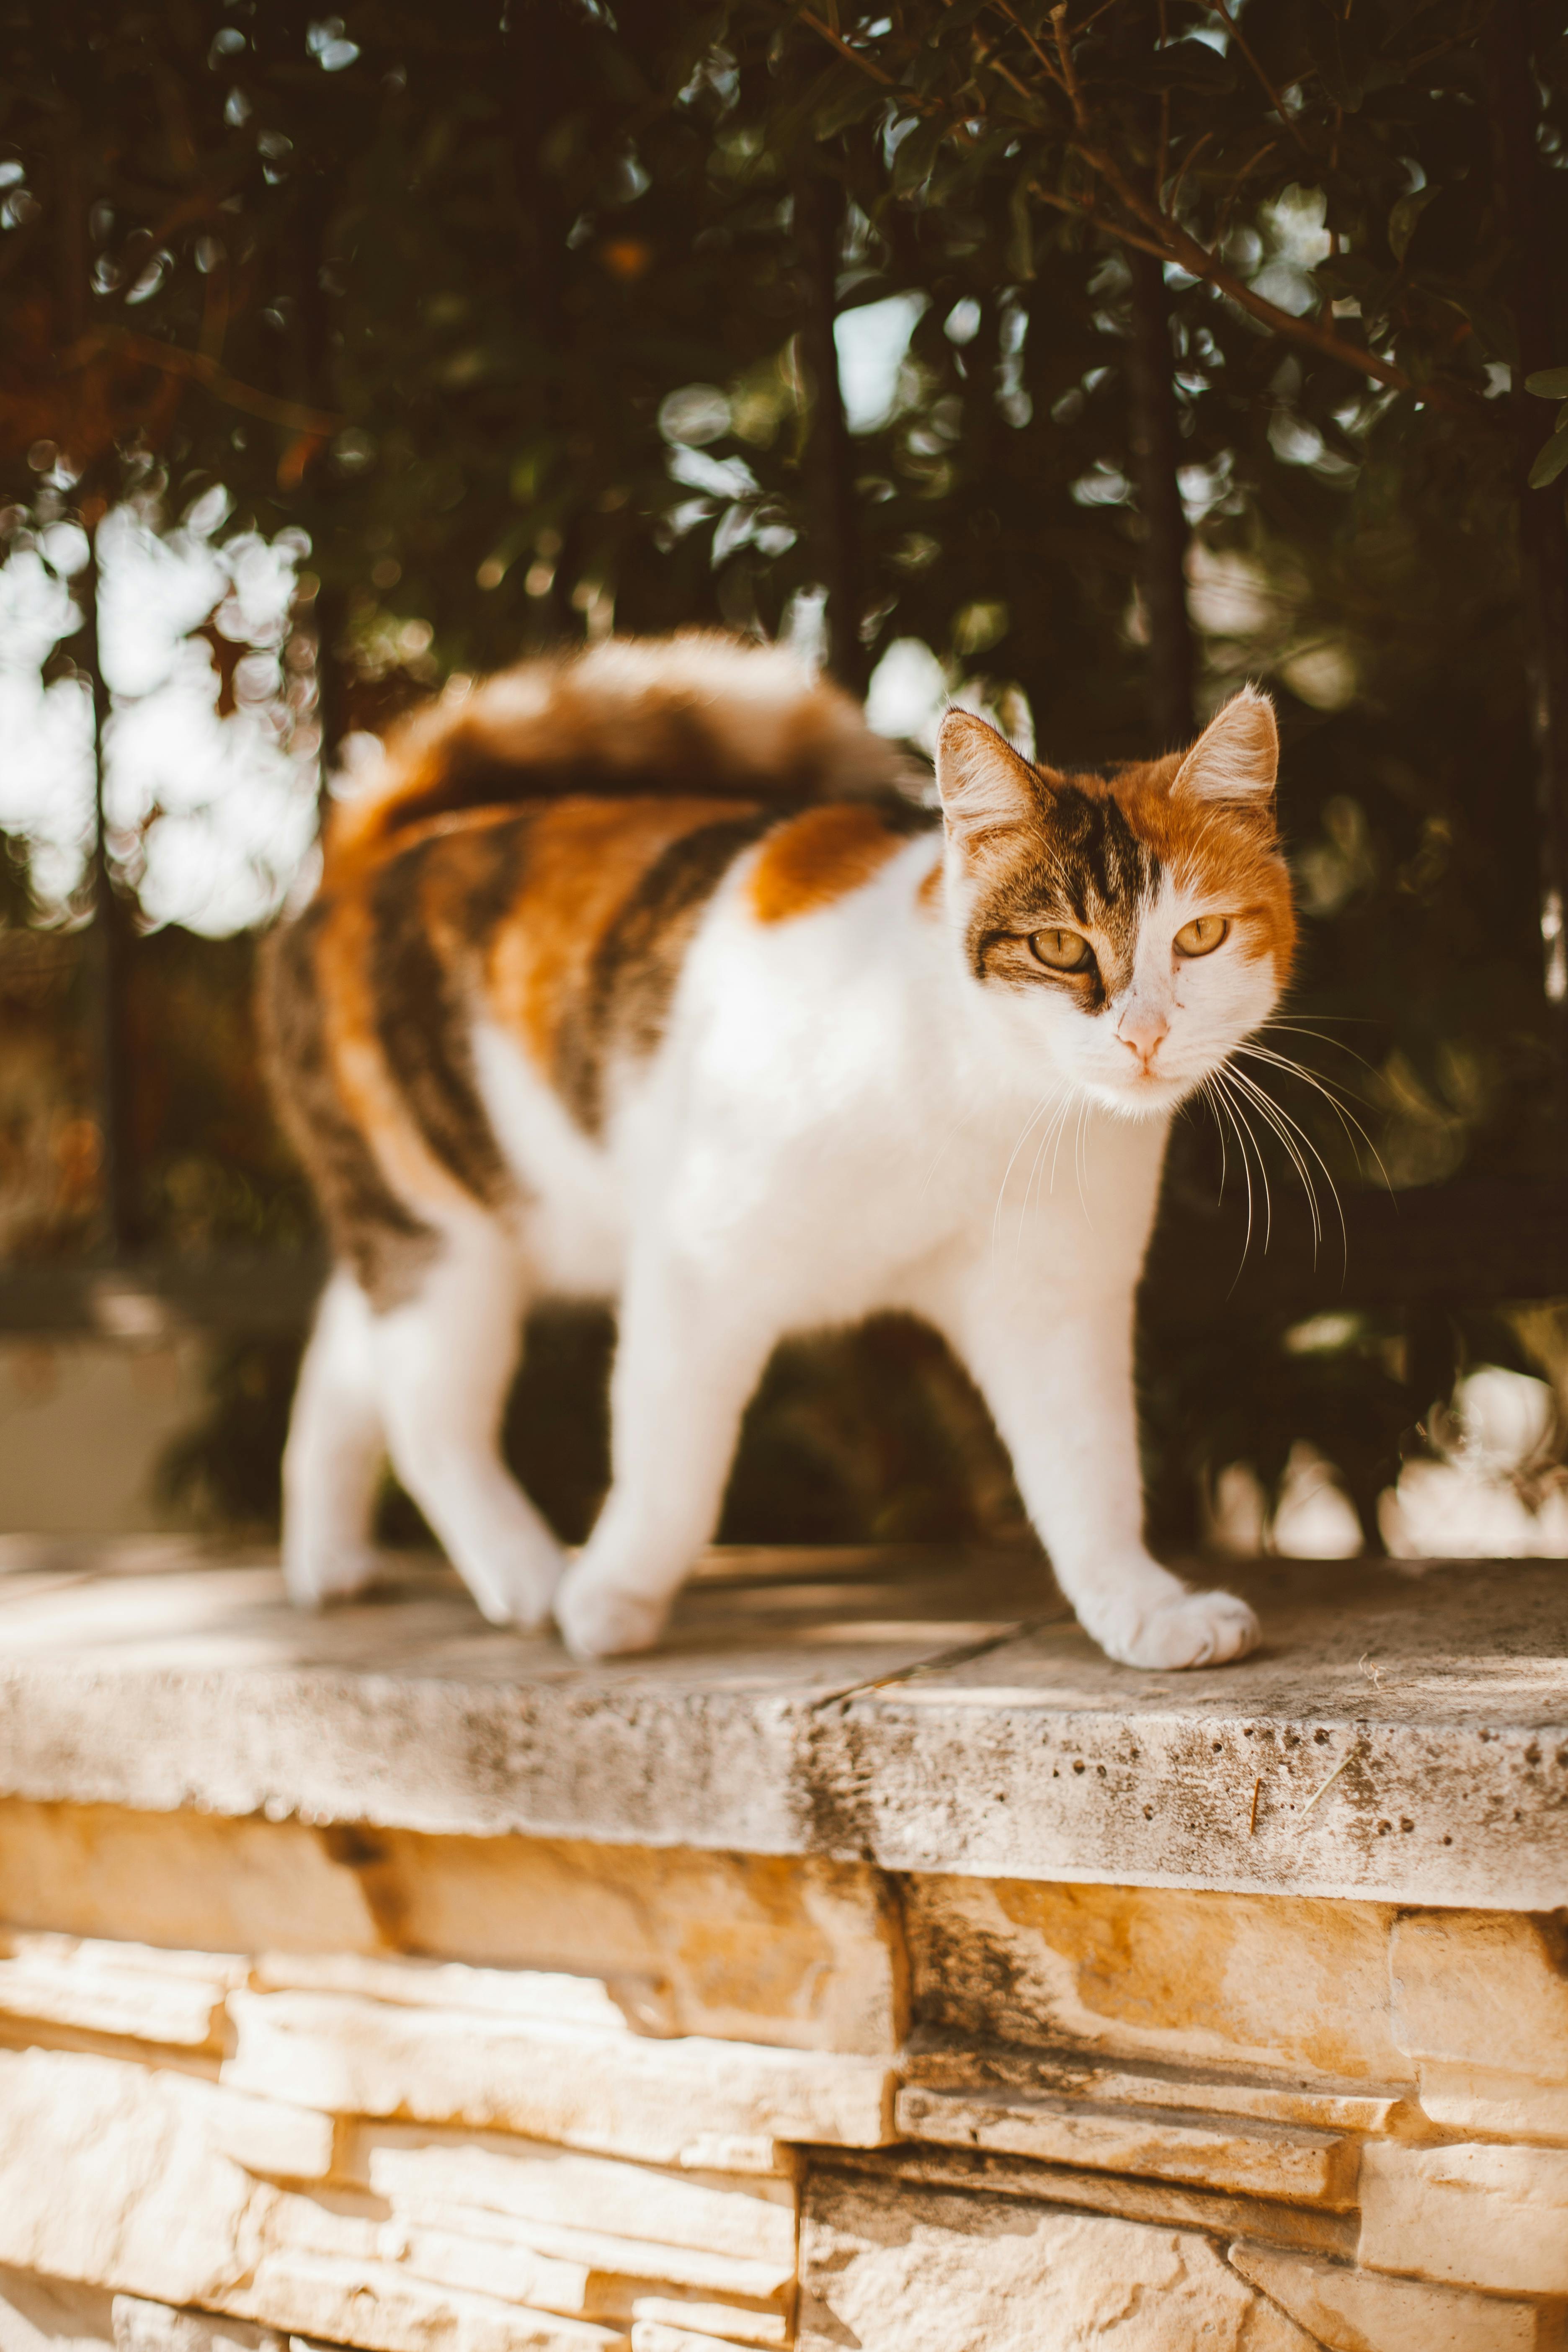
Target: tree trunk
330 620
1156 442
109 968
832 517
1542 534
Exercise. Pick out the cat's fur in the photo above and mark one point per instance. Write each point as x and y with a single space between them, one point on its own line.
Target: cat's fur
580 1009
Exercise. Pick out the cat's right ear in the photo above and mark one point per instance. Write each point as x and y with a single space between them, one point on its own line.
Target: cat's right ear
985 787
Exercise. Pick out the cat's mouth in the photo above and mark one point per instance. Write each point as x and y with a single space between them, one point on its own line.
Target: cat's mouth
1144 1093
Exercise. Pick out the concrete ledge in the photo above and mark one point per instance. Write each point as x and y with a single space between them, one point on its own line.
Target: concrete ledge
1402 1738
874 1965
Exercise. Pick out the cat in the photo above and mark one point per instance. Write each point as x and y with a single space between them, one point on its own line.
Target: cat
642 979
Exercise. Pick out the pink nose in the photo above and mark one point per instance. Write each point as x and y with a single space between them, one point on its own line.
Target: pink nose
1140 1030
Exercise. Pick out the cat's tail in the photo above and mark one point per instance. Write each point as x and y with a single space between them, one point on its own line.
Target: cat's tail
697 714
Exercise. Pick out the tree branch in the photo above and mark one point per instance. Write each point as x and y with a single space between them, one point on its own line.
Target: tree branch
1040 52
201 369
1244 46
1163 236
1179 246
856 56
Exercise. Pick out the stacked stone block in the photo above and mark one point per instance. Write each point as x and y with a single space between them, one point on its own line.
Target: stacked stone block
263 2081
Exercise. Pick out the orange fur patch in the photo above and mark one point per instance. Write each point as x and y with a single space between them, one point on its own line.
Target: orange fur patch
694 713
819 858
1225 851
369 1092
928 894
586 857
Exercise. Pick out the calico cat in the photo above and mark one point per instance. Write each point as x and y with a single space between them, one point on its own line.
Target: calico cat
641 979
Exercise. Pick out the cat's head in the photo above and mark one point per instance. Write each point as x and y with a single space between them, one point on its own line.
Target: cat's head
1132 931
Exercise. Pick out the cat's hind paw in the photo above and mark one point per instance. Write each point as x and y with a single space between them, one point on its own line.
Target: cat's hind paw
1192 1629
601 1620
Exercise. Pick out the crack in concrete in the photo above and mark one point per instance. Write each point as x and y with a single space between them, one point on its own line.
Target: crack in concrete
960 1654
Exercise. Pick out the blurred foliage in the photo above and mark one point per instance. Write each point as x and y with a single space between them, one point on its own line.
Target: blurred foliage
504 308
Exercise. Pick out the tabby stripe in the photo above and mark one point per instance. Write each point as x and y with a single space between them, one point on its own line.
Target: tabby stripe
387 1246
637 962
423 1027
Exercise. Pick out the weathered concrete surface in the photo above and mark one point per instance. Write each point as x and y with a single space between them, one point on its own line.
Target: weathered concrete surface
142 2326
1260 2159
1299 2229
799 1951
1481 2004
200 1687
122 2178
1291 1986
1172 2091
52 2314
1471 2212
935 2061
174 1999
426 2182
575 2083
1397 1738
1348 2311
929 2271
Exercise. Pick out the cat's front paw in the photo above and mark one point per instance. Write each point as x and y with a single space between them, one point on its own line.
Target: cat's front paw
601 1619
520 1589
315 1575
1192 1629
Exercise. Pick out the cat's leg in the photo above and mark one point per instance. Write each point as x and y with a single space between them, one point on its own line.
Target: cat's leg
444 1364
1059 1379
331 1463
690 1352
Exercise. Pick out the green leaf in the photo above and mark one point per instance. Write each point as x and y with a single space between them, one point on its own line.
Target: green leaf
917 154
1490 321
1548 383
1190 65
845 96
1402 220
1356 275
1341 55
1550 461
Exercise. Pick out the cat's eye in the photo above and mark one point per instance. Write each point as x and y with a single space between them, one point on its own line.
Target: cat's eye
1202 935
1062 950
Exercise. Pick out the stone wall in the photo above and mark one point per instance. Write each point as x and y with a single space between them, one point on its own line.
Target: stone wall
261 2080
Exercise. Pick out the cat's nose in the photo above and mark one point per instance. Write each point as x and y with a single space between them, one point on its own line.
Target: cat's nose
1140 1029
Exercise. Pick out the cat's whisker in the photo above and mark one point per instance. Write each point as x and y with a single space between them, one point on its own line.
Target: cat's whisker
1355 1133
1028 1188
1324 1087
1224 1156
1081 1160
1218 1104
1061 1130
1040 1149
1237 1110
1224 1148
1053 1126
1284 1126
1268 1110
1341 1020
1302 1029
1024 1133
1347 1119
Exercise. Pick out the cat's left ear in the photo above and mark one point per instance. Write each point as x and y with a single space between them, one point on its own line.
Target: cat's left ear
985 787
1236 757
